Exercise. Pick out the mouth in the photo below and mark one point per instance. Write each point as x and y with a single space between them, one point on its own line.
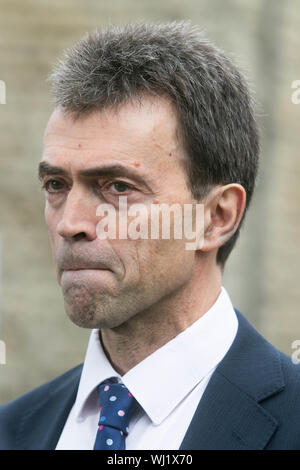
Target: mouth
82 273
83 268
78 272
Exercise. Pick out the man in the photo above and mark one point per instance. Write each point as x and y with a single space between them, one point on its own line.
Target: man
153 114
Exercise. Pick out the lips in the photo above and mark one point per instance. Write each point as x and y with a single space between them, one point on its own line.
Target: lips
79 267
83 259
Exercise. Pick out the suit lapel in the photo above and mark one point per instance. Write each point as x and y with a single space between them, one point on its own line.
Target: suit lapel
227 418
229 415
41 425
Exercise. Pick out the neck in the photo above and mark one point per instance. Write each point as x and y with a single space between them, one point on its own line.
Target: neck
131 342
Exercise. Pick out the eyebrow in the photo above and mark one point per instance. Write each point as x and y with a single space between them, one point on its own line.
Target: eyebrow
45 169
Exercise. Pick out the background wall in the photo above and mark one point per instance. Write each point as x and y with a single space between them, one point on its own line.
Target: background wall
262 275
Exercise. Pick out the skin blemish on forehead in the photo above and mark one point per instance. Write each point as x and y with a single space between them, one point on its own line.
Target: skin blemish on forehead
167 141
136 163
155 201
79 146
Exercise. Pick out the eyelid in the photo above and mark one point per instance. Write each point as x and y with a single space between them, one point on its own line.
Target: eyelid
111 182
48 180
105 186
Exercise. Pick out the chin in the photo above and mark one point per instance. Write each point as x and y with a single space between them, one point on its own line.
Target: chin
89 317
81 318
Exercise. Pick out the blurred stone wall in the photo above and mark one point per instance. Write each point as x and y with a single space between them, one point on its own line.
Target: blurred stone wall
262 274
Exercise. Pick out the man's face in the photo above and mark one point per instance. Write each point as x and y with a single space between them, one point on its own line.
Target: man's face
107 282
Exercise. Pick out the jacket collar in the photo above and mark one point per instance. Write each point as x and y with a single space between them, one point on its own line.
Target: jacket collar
229 415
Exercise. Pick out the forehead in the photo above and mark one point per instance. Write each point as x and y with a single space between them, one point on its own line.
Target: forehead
145 130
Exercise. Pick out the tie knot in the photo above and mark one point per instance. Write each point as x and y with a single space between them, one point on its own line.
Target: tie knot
116 406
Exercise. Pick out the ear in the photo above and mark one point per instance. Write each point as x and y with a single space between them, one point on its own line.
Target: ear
224 207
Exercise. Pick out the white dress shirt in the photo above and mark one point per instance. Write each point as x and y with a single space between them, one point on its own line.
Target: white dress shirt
168 384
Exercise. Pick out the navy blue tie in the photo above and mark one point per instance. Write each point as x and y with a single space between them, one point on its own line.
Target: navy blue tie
116 408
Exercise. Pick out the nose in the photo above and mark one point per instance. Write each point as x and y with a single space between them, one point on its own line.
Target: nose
79 217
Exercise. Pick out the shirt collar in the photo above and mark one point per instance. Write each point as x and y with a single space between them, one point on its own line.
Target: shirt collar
173 370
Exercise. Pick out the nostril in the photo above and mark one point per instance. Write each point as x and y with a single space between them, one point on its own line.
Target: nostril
79 236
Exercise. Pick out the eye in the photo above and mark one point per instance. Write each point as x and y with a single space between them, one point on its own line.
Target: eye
120 186
53 186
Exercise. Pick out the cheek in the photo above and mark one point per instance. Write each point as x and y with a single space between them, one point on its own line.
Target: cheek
165 258
165 266
51 220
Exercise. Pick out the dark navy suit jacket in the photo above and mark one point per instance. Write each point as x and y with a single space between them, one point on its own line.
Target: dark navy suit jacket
252 401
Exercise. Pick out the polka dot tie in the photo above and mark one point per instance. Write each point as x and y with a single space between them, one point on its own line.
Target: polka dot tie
116 408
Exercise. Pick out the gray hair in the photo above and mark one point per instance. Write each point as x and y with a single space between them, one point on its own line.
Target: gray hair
213 102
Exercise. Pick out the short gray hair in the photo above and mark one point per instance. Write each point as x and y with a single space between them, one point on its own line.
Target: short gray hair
213 102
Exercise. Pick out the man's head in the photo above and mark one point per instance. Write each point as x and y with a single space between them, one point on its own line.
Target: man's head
162 102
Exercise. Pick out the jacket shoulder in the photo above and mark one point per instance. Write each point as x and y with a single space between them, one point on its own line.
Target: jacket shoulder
13 410
290 368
